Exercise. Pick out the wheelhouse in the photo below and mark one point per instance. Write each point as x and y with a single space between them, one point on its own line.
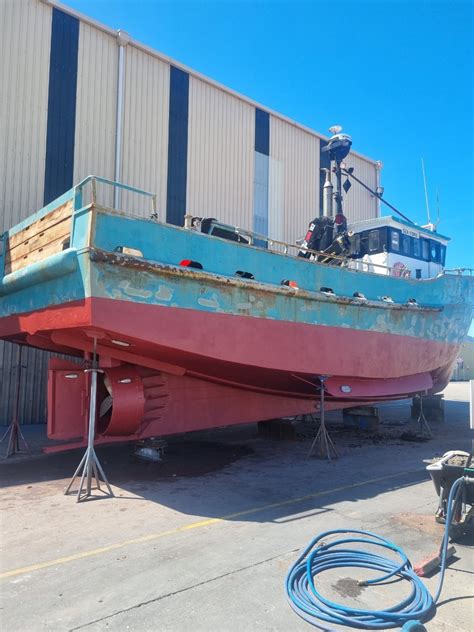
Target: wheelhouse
389 245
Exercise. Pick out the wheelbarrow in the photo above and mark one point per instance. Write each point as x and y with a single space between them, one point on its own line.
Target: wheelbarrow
444 472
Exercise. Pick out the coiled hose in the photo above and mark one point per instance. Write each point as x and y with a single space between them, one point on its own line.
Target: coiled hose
308 603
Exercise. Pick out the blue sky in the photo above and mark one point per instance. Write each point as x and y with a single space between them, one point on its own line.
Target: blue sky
397 75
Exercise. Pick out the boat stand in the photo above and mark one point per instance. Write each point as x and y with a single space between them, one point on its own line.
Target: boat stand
322 442
90 464
424 426
13 432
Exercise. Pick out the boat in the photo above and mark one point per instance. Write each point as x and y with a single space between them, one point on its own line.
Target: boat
208 325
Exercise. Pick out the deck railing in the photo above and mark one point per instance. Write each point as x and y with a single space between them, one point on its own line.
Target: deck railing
80 191
252 237
326 258
460 271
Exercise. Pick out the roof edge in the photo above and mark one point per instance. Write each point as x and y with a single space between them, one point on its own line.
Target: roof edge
216 84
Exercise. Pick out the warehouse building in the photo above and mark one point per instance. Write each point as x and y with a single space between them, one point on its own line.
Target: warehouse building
85 99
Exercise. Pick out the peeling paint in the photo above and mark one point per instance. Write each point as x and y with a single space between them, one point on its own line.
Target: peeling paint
164 293
134 291
212 302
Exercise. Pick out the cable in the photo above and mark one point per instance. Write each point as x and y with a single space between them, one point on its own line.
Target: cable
320 556
349 173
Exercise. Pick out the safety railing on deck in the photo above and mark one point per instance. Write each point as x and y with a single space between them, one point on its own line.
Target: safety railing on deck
253 238
80 190
293 250
460 271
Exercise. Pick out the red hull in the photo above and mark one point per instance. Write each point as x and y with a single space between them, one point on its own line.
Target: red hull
271 371
266 355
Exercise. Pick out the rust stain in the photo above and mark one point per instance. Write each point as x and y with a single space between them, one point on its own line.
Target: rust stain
225 285
425 523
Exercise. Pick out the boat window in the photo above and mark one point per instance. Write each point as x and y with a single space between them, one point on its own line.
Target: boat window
442 254
374 240
355 245
405 244
425 249
416 247
395 241
434 252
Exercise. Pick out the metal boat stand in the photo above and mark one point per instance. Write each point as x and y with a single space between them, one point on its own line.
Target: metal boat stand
322 442
425 428
13 432
90 464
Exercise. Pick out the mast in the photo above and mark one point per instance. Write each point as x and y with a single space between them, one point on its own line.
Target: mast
339 146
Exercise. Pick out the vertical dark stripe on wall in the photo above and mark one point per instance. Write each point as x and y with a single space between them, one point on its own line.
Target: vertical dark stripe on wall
324 163
262 132
177 147
261 174
61 124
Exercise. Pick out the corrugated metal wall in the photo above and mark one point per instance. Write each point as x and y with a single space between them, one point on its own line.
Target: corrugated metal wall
220 155
96 98
145 134
25 32
359 204
294 180
220 166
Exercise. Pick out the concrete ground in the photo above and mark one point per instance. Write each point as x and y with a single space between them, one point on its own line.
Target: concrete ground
203 541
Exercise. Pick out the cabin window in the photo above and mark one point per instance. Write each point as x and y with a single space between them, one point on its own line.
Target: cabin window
395 241
425 249
355 245
434 253
416 248
442 254
406 245
374 240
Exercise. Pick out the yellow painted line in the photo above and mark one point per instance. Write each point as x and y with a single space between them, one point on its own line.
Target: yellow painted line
193 525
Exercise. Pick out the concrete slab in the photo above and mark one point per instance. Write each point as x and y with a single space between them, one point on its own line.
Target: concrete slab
204 541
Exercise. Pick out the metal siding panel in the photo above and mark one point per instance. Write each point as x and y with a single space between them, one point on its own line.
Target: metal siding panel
276 210
324 163
359 204
59 169
260 202
294 171
94 151
25 32
177 147
145 130
220 155
34 376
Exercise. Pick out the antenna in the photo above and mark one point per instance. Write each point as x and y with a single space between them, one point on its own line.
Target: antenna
438 219
426 191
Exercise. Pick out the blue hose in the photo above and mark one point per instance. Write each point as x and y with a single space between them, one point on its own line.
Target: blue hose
318 556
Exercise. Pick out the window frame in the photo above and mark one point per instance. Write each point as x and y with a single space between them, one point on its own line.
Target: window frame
416 248
394 232
434 244
373 232
425 242
405 241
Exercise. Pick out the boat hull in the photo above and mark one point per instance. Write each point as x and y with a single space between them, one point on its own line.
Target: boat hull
240 351
232 337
